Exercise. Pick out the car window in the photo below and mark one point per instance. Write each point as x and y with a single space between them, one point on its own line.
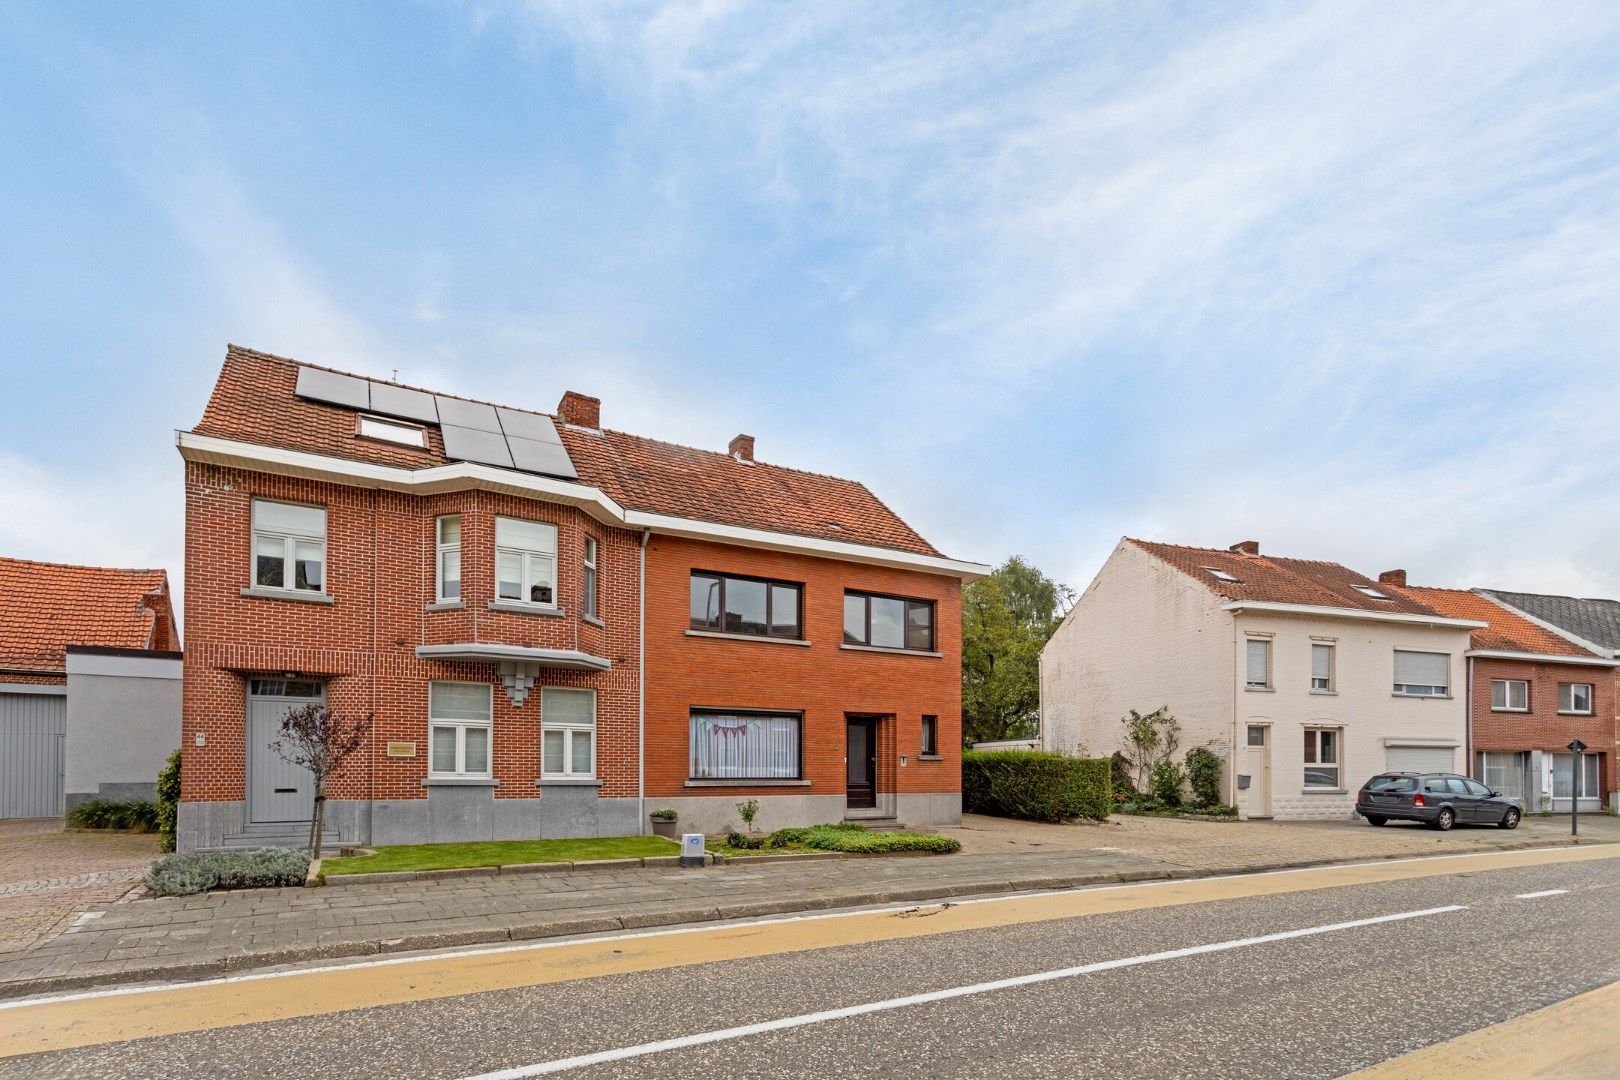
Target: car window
1435 787
1457 787
1476 788
1392 783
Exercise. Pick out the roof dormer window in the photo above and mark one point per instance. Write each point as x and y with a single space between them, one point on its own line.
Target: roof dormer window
375 427
1221 575
1372 593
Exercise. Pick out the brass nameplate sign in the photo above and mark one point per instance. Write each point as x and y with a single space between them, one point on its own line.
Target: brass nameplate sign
401 749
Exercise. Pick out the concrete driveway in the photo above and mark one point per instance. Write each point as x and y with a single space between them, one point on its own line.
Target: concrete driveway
1204 844
48 877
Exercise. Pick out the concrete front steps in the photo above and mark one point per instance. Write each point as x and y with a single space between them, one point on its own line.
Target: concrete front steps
877 824
293 834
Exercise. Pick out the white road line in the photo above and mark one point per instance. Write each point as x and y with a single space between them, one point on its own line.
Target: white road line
1539 895
623 1053
426 955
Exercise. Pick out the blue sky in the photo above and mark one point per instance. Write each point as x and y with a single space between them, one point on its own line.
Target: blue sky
1338 277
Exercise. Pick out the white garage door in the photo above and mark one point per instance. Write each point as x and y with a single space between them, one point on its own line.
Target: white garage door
1420 759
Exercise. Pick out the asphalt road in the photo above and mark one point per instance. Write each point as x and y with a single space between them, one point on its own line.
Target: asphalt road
1324 1001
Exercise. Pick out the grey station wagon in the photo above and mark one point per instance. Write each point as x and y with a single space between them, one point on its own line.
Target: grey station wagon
1438 799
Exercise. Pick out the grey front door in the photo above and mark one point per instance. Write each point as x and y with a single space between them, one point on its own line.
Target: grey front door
277 791
33 731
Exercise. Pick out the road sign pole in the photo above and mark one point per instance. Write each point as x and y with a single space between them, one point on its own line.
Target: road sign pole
1576 747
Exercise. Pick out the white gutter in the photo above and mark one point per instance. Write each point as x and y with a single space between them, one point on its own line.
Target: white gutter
1542 658
1354 613
463 475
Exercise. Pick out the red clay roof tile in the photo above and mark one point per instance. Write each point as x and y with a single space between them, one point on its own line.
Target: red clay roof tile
45 607
1507 631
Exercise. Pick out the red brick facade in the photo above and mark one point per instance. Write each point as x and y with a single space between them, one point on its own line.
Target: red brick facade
1543 727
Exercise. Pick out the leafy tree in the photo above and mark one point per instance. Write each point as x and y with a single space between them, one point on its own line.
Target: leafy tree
1204 775
319 739
1153 738
1006 619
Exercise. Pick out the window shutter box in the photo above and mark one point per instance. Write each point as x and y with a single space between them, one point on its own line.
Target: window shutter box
1422 668
1321 661
1257 662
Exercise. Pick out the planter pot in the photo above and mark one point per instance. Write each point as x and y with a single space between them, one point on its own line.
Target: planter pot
670 829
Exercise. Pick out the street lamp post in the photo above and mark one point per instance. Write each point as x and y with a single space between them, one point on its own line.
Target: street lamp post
1575 748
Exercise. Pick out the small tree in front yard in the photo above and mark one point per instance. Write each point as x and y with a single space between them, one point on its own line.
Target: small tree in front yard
1151 738
1204 775
319 739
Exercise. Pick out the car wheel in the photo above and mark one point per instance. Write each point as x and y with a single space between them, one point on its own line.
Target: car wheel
1371 820
1510 820
1445 819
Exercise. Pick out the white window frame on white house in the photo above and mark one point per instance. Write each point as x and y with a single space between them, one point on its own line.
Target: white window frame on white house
1567 705
1249 655
460 718
1322 657
1324 755
447 558
293 528
375 427
533 544
1506 698
570 732
1413 688
589 604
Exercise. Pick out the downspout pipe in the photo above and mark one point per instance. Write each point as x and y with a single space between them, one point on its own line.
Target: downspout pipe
641 683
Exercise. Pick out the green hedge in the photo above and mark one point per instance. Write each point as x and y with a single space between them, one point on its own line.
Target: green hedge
195 872
1036 785
168 799
845 836
135 815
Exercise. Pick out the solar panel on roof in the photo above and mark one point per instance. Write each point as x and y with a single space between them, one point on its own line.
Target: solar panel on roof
527 425
468 414
470 444
532 455
332 388
391 400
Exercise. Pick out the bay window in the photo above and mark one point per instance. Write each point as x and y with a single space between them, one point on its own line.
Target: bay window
459 722
745 746
525 562
567 733
289 546
590 577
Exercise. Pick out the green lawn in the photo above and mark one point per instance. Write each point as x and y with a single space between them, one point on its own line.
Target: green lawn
499 853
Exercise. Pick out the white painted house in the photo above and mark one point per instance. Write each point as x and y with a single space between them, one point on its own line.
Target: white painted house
1305 677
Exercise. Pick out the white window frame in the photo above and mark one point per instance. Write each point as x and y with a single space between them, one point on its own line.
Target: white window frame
1270 658
397 432
1429 690
1578 786
527 558
289 553
1507 695
440 550
1570 709
571 731
592 581
1328 684
1314 733
461 725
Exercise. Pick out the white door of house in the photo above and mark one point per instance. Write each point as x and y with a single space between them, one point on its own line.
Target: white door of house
33 734
277 791
1258 804
1420 759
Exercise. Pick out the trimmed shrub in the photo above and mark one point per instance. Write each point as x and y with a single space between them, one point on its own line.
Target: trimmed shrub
168 799
1167 782
1036 785
845 836
200 871
1119 769
133 815
1204 775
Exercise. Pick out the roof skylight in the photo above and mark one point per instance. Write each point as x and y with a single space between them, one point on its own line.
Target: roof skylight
1368 590
1221 575
373 427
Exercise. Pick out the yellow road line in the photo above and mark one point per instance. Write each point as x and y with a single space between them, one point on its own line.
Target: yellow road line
1575 1039
92 1020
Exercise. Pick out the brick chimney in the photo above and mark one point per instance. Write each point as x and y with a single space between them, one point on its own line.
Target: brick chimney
742 448
1246 547
580 411
1393 577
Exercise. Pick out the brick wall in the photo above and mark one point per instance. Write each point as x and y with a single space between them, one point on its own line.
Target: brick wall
1542 727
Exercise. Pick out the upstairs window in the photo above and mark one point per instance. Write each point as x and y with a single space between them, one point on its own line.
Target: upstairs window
1257 664
525 561
447 557
289 546
1510 695
1422 674
590 577
1575 697
375 427
755 607
888 622
1321 667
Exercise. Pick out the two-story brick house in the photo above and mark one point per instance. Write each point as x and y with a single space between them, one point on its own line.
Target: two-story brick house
1304 676
556 627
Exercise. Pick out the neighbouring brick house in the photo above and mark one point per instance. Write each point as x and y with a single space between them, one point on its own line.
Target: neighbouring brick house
1304 676
89 684
557 627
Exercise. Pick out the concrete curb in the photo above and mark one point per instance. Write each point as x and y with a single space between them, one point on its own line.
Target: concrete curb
567 927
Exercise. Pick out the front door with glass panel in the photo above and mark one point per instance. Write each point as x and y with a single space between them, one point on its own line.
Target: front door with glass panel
861 784
1258 765
277 791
